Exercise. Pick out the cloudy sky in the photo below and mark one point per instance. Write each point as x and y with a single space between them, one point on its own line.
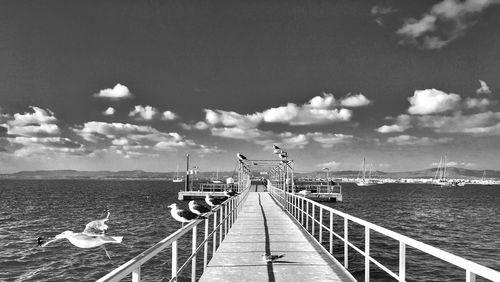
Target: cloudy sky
121 85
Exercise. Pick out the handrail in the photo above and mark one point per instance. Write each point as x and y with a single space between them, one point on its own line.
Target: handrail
227 213
294 205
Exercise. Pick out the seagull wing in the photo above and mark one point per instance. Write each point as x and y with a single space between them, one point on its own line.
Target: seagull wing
51 241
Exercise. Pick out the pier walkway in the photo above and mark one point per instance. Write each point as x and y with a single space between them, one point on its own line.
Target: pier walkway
262 227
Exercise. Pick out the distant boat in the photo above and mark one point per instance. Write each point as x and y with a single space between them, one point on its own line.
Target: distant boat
217 180
177 178
363 181
440 176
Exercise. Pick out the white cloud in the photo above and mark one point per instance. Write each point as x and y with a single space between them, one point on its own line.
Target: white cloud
109 111
201 125
402 123
35 130
318 110
354 101
446 21
325 102
237 133
484 88
39 116
328 140
432 101
40 122
116 93
382 10
228 119
421 141
46 146
168 115
475 103
95 129
330 165
143 113
294 140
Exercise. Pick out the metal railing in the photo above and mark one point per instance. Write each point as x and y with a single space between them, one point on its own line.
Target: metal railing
214 187
223 218
309 213
319 188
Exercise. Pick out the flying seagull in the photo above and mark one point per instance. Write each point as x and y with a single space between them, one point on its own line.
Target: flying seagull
183 215
271 258
91 237
276 147
211 201
198 209
241 157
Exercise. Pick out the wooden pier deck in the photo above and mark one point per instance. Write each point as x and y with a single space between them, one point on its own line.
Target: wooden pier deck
263 227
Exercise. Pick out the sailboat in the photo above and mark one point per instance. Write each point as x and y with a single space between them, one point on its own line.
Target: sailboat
217 180
440 176
177 178
364 181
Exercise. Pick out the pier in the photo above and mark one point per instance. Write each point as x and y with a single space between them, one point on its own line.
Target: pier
263 228
275 219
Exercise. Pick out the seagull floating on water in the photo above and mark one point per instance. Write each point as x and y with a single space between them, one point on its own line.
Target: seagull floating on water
91 237
183 215
241 157
271 258
198 209
211 201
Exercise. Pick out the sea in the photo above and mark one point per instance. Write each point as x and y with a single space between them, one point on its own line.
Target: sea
464 221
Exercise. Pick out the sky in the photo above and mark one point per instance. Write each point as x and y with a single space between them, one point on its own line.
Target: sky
125 85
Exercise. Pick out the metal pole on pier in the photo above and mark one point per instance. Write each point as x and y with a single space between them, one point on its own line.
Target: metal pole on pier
186 182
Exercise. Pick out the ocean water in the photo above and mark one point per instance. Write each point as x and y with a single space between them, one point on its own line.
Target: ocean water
463 221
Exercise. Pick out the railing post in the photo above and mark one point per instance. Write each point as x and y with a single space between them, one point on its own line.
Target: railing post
307 215
331 232
313 219
214 245
193 250
136 274
402 261
302 211
470 276
174 260
226 206
221 214
205 246
346 246
367 254
320 225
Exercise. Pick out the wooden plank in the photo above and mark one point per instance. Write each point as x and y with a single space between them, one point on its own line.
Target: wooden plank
263 227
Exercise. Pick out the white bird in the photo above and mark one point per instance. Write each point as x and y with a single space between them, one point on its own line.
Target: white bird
241 157
271 258
283 156
230 193
183 215
198 209
91 237
211 201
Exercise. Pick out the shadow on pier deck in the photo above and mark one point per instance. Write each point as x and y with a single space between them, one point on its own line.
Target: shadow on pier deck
262 227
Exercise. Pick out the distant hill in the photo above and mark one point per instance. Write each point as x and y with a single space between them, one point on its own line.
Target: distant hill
452 172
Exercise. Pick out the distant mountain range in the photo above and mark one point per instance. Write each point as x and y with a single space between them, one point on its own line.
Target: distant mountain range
452 172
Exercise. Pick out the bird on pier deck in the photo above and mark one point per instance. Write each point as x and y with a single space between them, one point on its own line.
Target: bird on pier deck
241 157
198 209
212 202
182 215
271 258
91 237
